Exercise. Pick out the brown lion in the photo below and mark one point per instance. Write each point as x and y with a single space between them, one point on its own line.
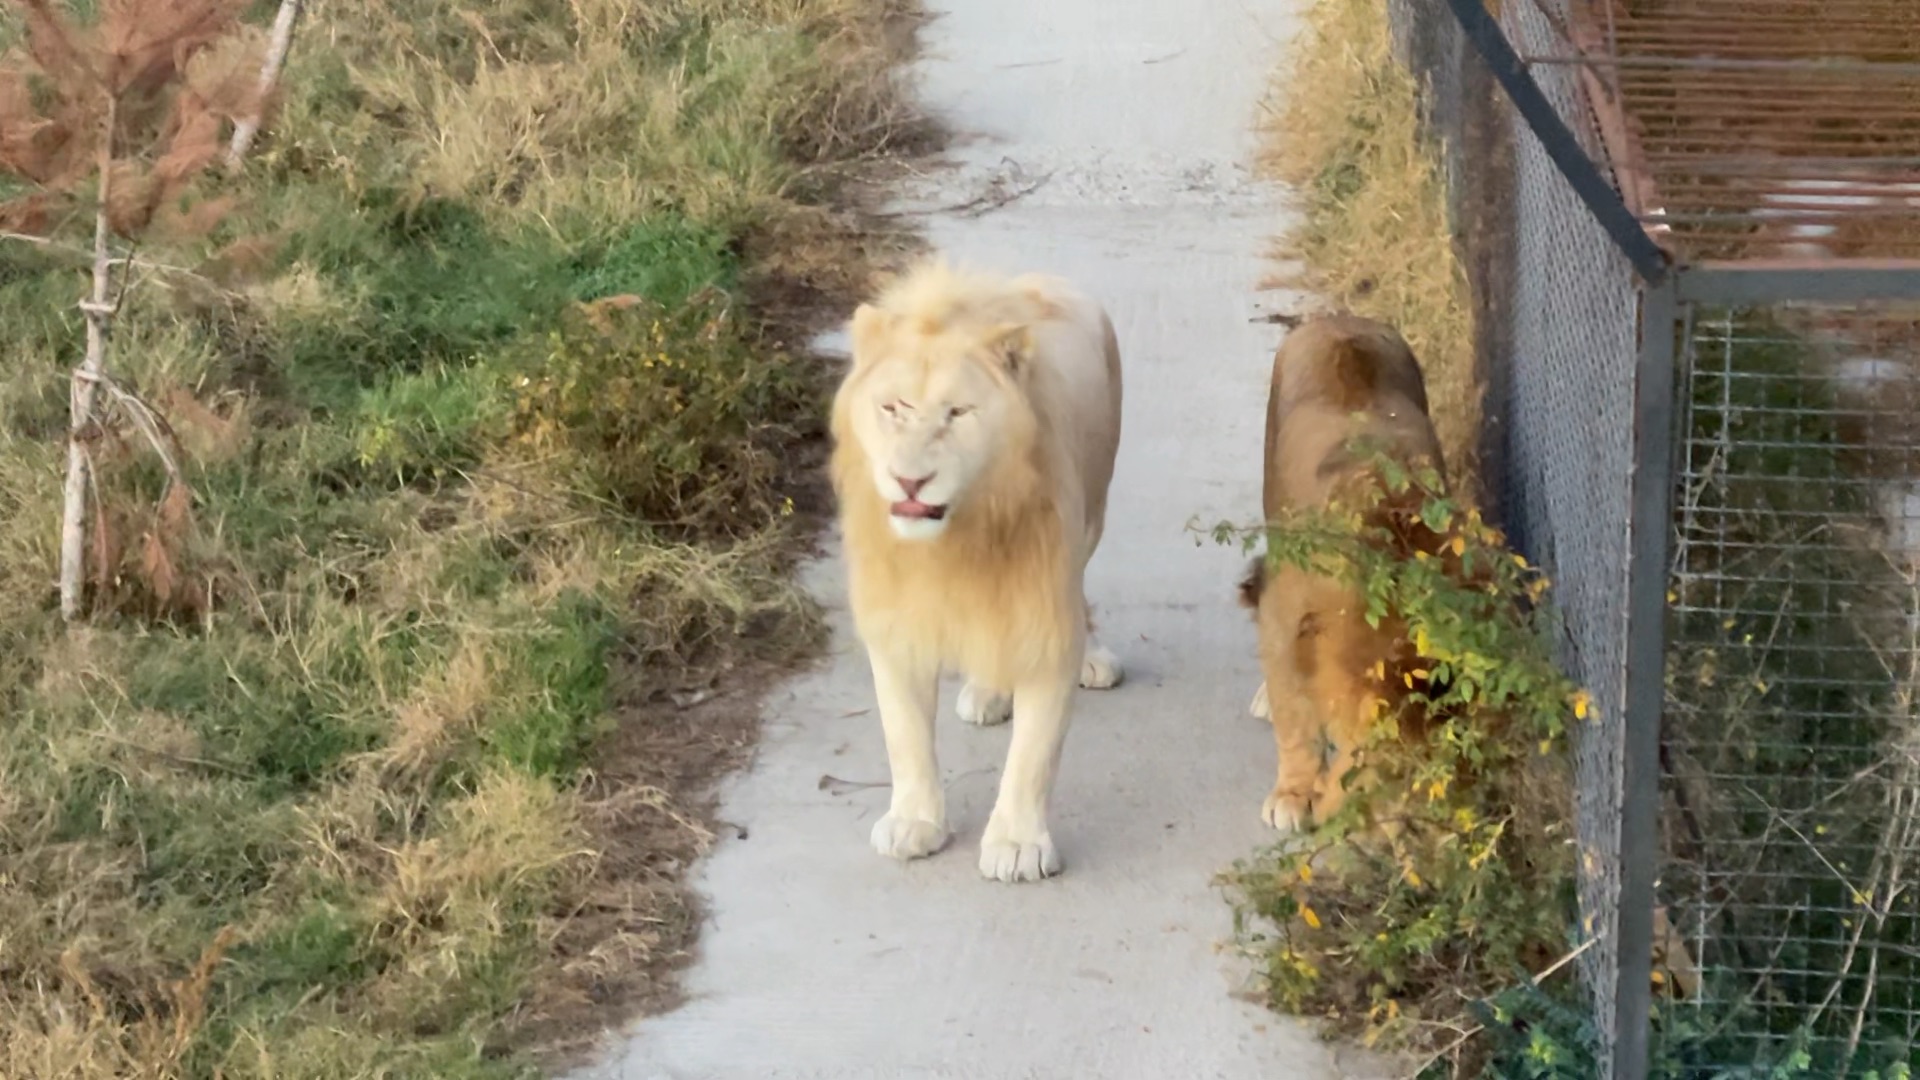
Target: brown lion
1337 380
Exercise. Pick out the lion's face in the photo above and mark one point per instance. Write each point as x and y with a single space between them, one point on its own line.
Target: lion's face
932 425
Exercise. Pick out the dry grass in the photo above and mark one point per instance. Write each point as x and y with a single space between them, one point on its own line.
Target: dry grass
1342 129
415 796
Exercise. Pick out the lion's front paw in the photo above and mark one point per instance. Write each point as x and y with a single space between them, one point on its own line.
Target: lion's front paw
1100 669
1261 707
1287 811
902 837
983 708
1007 856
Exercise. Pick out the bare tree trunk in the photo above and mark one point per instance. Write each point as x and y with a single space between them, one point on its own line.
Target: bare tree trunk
85 390
282 40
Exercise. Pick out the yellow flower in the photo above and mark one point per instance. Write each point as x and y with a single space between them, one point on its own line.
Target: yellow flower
1459 545
1307 913
1306 872
1582 702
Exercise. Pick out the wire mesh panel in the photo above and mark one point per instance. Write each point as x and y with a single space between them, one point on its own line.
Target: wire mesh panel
1792 735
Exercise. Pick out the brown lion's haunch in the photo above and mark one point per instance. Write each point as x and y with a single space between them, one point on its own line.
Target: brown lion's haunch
1338 382
974 439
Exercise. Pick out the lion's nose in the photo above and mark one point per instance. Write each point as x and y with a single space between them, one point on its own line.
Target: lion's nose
912 487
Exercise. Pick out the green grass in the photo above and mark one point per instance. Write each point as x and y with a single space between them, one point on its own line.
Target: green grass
450 529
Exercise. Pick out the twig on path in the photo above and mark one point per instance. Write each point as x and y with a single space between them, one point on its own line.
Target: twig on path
833 785
996 196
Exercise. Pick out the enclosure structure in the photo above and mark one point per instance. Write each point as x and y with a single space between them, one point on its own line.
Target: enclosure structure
1693 233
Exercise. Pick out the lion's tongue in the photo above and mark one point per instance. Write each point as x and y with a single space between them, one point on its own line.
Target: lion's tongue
914 508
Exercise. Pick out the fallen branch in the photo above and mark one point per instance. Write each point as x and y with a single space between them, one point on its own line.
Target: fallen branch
1476 1029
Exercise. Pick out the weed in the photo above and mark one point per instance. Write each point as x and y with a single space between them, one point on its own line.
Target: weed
663 411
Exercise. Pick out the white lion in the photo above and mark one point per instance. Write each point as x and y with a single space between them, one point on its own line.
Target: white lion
974 439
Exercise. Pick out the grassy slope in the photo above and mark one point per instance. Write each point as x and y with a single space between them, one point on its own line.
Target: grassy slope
372 810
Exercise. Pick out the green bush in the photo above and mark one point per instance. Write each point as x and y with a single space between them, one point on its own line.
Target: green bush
671 413
1430 888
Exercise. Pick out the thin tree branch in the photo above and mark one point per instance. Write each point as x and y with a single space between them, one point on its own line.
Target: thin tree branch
281 41
85 386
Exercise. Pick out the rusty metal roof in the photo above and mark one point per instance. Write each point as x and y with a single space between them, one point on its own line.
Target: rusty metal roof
1777 130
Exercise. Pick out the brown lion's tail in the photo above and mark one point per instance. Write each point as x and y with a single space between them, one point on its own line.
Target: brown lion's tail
1253 583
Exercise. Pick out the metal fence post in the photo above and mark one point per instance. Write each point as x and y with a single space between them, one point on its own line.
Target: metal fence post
1649 526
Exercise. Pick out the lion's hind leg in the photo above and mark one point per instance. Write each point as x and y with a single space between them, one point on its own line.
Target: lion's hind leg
1100 668
1290 634
982 707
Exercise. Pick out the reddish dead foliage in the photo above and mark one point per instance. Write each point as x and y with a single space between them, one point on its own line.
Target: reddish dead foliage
147 93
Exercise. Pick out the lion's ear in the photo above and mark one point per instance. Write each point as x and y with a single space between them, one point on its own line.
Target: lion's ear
1012 345
866 332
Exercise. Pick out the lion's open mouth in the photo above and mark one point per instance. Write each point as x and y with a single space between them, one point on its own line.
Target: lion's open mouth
918 511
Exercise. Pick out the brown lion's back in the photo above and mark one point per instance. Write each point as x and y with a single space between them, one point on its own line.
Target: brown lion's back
1336 377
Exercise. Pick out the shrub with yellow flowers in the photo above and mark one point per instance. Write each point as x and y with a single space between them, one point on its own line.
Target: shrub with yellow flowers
669 413
1451 874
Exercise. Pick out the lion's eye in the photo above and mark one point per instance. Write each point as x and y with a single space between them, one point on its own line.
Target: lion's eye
891 408
958 411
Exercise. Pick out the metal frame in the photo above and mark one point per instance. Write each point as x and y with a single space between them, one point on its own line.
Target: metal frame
1650 529
1826 282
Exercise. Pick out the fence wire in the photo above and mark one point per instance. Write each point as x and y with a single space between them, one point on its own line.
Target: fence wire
1792 733
1558 328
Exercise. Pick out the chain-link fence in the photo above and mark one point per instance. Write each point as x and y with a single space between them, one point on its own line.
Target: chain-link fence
1558 333
1766 770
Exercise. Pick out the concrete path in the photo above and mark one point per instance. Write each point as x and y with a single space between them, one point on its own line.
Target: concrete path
823 959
